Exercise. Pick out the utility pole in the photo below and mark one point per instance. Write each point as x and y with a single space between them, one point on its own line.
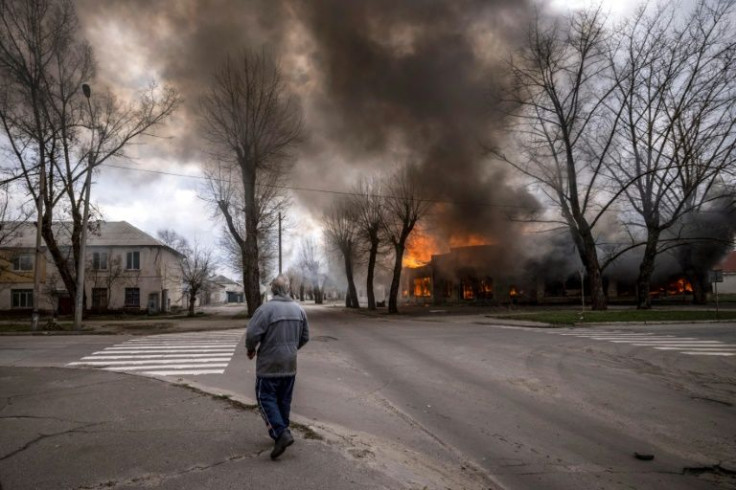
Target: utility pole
86 189
279 243
39 258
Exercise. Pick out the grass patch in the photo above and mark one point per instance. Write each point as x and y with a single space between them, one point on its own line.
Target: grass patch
568 317
42 327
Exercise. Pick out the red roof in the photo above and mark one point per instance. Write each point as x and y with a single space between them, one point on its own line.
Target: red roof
728 264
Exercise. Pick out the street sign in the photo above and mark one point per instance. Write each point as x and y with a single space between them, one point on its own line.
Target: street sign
716 276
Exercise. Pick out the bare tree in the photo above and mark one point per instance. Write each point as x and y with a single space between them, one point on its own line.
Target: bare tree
13 216
197 264
564 128
296 282
341 230
104 271
310 263
676 83
252 127
55 134
403 209
370 215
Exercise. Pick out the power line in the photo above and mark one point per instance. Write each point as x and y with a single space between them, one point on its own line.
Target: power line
327 191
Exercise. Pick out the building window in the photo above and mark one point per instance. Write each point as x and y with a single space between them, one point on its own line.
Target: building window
23 262
99 261
133 297
99 298
22 298
133 261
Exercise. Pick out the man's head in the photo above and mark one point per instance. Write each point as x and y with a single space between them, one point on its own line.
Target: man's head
280 285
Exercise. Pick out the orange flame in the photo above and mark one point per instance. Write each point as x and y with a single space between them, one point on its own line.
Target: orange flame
421 247
469 241
468 291
422 287
680 286
419 250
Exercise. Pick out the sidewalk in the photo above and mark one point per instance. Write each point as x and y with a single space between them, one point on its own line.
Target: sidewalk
93 429
85 429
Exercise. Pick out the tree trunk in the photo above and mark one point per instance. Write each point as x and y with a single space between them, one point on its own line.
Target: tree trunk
251 274
60 261
351 300
699 282
396 279
598 298
192 301
646 269
369 280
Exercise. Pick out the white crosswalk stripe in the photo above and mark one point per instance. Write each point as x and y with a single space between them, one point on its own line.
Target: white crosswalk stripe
191 353
684 345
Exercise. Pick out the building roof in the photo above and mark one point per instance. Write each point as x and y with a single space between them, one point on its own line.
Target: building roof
107 234
220 279
728 264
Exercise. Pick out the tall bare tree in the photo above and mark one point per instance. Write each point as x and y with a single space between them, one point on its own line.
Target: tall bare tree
341 231
370 215
55 134
196 264
676 83
564 128
252 126
403 209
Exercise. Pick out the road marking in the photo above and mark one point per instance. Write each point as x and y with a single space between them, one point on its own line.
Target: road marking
690 353
169 347
173 366
157 356
180 373
191 353
163 351
683 345
147 361
722 348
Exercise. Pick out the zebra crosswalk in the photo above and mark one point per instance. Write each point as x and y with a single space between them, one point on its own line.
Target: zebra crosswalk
684 345
191 353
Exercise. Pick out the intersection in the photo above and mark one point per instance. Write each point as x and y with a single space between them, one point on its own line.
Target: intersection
519 407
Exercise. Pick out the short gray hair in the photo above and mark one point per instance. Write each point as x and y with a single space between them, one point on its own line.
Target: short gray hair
280 285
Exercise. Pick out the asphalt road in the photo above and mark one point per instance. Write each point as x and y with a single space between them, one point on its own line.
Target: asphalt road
528 408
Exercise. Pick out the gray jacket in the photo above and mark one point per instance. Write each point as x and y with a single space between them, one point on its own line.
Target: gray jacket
278 328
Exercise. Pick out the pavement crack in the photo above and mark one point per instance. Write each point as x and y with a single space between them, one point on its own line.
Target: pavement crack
712 400
42 437
716 469
36 417
156 480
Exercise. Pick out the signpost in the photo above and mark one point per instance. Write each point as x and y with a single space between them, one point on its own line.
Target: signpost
716 276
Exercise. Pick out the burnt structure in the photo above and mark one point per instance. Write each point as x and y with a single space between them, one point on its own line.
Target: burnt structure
476 274
463 274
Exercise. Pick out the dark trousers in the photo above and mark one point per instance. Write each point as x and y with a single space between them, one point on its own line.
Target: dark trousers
274 402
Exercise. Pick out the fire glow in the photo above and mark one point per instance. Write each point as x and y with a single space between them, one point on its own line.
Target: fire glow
421 247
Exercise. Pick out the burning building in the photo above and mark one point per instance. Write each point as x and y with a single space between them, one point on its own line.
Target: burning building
485 274
465 273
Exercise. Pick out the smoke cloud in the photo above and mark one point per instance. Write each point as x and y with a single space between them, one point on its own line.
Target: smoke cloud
380 83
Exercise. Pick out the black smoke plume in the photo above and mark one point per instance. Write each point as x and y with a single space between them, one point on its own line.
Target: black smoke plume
380 82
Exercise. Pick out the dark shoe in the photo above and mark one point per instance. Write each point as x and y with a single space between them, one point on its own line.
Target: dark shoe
284 440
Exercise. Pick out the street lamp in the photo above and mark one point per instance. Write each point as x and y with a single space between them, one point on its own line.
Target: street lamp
86 189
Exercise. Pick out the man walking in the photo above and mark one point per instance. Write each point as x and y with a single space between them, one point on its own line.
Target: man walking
277 330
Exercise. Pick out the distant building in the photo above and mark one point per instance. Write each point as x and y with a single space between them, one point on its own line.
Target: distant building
222 290
127 269
728 268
